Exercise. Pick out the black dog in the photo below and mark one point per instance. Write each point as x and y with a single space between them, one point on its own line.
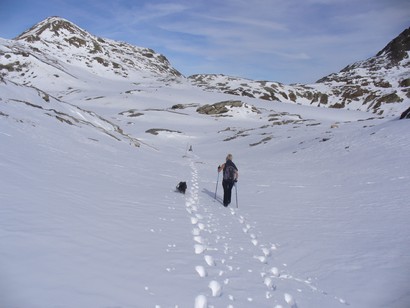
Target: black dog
181 187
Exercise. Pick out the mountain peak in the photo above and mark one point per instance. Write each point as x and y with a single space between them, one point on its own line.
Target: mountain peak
58 38
397 50
51 27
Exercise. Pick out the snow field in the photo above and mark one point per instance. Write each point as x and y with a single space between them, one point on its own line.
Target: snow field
90 221
227 241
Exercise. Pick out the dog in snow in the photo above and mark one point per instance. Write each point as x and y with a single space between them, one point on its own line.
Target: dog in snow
181 187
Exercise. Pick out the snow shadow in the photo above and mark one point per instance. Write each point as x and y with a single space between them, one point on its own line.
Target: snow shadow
212 195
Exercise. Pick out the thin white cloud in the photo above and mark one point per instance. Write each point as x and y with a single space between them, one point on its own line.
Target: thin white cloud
158 10
318 36
286 40
255 23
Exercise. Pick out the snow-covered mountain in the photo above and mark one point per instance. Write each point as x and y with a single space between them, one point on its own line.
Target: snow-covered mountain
49 50
379 85
91 152
53 47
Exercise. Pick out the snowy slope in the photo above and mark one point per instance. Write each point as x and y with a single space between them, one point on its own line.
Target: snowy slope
58 54
380 84
89 216
90 220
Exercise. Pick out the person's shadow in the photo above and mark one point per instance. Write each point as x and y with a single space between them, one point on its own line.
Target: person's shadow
212 195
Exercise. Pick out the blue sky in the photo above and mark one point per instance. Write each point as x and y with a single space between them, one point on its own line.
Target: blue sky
278 40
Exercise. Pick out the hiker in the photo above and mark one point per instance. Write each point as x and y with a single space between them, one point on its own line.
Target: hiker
230 177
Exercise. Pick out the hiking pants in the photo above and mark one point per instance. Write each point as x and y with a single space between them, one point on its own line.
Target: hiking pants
227 185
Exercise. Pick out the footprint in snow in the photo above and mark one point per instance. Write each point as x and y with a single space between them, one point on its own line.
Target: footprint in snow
201 271
289 300
275 271
266 251
216 288
269 283
201 301
262 259
199 249
246 228
209 260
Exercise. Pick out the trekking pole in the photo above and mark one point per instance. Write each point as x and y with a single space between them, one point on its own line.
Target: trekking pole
216 187
236 191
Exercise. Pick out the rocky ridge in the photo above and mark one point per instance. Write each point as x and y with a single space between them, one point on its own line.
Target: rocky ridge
46 54
380 84
59 44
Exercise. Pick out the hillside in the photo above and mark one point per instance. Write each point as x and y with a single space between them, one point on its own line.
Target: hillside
51 49
45 54
380 84
91 155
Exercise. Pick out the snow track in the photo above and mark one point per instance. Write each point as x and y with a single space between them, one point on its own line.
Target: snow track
223 258
236 265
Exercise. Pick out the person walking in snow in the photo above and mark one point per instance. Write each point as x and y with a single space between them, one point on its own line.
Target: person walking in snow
230 177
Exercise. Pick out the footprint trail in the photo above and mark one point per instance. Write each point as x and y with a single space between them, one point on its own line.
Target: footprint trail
234 262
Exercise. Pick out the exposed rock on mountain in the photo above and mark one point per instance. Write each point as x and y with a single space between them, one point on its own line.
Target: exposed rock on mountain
379 84
397 50
405 114
60 44
223 108
45 57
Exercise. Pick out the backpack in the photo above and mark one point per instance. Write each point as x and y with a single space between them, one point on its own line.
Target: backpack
229 173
